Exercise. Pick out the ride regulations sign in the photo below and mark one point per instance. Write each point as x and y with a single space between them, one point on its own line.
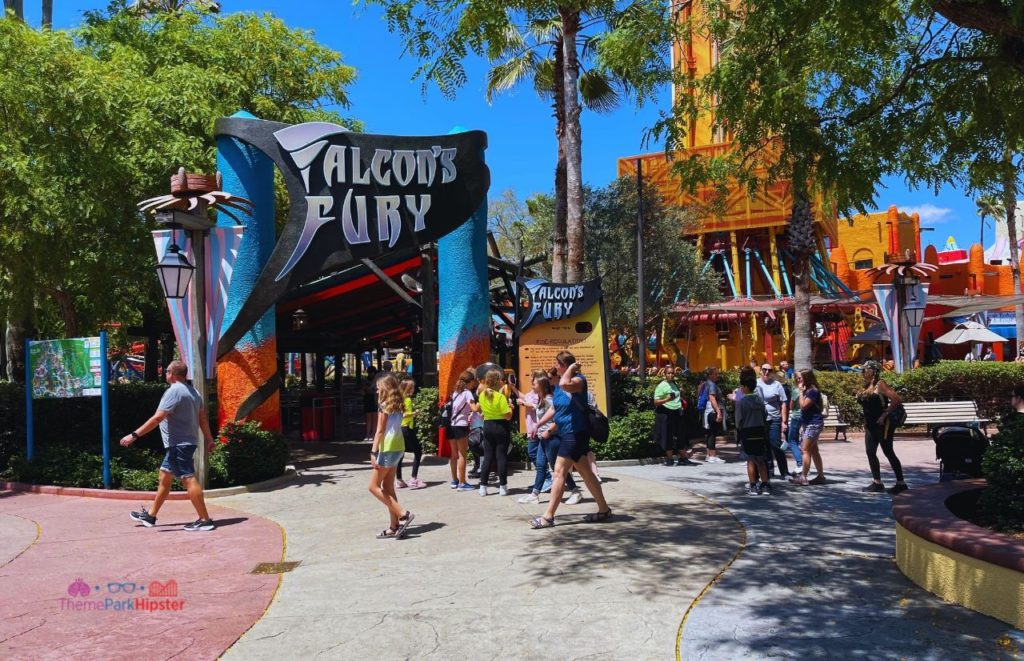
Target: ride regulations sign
66 368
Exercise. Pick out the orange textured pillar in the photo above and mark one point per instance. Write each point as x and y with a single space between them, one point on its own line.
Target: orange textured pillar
976 270
841 265
931 256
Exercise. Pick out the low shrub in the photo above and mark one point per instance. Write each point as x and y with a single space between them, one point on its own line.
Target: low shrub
630 436
424 402
250 453
1002 502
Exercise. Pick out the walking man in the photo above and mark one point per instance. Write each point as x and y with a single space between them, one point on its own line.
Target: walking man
776 406
179 415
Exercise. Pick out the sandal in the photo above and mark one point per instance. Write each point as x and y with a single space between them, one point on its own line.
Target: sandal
404 523
387 533
541 522
597 517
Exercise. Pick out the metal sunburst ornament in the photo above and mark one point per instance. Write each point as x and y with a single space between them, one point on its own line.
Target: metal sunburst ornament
197 193
902 266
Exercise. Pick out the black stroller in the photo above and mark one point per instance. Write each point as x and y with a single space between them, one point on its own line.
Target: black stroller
959 451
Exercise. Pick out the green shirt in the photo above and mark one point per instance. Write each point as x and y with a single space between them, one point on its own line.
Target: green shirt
408 417
494 405
662 391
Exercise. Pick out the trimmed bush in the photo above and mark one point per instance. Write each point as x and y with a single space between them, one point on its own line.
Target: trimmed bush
630 436
424 402
250 454
1002 502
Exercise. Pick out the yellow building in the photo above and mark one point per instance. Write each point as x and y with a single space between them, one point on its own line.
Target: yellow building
744 240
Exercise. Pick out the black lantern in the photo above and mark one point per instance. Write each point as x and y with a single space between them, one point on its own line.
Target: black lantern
175 272
299 319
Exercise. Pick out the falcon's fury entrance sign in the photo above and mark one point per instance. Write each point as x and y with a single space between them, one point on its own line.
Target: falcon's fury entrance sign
557 317
355 196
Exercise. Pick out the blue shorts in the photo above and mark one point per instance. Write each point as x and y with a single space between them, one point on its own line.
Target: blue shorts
178 461
573 446
389 459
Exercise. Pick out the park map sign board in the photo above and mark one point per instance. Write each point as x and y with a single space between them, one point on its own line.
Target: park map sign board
66 368
570 317
355 196
61 369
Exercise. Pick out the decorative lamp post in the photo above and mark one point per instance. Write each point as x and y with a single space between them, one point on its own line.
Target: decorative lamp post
175 272
299 319
902 302
191 197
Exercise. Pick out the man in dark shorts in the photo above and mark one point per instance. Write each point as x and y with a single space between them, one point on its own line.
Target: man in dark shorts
180 415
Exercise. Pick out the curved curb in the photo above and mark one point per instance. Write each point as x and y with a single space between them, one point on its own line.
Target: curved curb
120 494
956 560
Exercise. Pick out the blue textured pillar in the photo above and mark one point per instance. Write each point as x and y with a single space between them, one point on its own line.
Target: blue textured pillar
464 310
246 377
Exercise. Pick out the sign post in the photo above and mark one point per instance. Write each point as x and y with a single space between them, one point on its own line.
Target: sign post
104 408
29 426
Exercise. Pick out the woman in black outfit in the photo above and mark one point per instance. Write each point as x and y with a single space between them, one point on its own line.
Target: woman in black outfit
370 406
879 400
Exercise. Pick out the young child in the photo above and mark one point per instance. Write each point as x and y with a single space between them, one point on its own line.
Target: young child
543 410
412 443
387 451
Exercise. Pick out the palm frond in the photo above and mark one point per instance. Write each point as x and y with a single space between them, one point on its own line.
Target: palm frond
545 28
598 92
508 74
544 78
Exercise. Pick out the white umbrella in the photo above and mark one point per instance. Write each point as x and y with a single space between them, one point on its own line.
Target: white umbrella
970 331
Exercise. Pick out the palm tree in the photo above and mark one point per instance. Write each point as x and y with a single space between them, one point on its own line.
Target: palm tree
47 14
988 205
801 240
1010 175
521 60
16 6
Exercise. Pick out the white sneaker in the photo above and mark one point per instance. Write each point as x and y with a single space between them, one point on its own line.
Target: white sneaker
502 490
575 498
714 460
528 498
483 490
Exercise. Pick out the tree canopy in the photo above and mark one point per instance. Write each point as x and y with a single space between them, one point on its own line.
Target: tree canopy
94 120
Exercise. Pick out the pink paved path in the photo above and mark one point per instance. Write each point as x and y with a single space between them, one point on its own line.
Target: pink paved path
94 540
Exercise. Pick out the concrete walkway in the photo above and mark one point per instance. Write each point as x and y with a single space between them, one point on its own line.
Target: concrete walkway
472 580
817 578
67 565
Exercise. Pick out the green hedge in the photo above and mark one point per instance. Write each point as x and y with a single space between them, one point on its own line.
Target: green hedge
424 402
1002 502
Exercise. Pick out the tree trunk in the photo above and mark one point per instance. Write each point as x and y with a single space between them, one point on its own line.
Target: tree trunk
574 272
67 311
16 6
1010 204
559 247
800 236
15 340
3 358
47 14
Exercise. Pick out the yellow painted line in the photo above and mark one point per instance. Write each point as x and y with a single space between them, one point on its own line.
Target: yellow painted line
39 533
715 579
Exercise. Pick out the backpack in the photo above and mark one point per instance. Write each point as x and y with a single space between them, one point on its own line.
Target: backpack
445 419
598 426
702 397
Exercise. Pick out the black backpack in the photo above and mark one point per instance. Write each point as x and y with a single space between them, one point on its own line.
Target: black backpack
598 426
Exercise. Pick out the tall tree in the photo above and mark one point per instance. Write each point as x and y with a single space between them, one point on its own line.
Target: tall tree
95 121
17 7
441 34
47 22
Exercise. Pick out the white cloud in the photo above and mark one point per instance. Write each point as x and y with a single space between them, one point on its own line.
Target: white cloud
929 213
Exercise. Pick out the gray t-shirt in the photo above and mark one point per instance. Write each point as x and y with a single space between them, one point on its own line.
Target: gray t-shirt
774 395
711 388
181 426
750 411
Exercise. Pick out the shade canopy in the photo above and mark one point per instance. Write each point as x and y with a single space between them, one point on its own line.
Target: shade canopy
969 332
876 333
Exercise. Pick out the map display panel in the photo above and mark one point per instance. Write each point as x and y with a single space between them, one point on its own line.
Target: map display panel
66 368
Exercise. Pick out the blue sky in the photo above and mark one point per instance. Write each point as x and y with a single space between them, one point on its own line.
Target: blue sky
521 153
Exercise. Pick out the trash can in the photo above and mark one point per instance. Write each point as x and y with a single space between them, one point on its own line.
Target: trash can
317 417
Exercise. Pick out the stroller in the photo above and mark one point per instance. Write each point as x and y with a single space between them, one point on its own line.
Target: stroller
959 451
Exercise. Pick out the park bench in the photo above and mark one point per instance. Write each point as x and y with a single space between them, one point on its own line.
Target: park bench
835 421
940 414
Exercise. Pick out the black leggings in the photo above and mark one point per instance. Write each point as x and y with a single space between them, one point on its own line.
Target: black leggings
496 444
875 436
412 444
